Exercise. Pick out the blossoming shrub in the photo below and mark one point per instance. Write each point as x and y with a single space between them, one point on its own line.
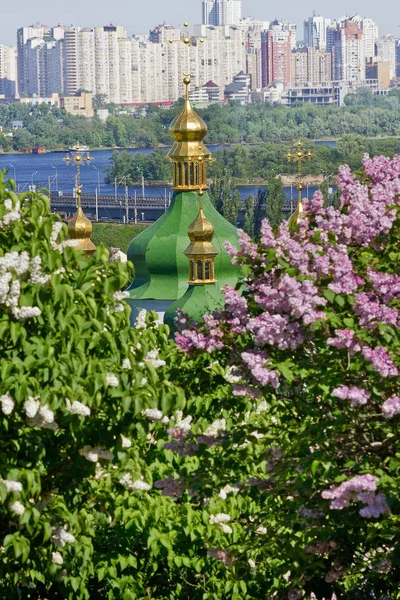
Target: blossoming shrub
80 393
302 462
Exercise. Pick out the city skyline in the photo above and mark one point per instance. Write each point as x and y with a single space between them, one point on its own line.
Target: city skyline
175 12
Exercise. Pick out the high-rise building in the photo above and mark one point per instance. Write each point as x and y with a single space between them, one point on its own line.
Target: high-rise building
370 34
348 52
221 12
276 55
23 35
386 52
315 32
8 71
309 66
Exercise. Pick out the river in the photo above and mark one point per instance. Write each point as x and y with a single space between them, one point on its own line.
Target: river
50 170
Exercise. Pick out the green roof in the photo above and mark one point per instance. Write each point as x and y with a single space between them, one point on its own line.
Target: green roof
161 268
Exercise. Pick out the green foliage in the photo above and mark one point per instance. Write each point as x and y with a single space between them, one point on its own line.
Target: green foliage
115 236
233 123
154 166
249 216
275 200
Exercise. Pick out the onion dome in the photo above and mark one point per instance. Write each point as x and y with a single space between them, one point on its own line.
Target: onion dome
201 252
80 228
188 153
188 126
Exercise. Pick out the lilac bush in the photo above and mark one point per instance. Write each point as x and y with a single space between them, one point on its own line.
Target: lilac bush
311 350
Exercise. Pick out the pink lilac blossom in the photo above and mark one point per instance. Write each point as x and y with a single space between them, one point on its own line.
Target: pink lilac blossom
255 362
243 390
361 488
371 311
189 340
314 205
391 407
344 339
170 487
356 395
379 358
275 330
236 309
386 285
267 237
221 555
291 296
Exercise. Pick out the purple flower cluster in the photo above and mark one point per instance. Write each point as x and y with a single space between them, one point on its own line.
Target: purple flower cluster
255 361
391 407
371 311
386 285
345 339
190 339
170 487
221 555
276 330
236 309
379 358
356 395
361 488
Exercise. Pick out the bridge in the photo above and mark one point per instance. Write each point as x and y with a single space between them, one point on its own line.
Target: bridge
125 208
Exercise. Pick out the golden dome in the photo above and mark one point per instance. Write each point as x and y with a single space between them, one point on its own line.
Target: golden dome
188 126
80 228
201 233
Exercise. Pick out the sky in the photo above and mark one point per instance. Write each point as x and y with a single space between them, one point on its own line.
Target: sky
139 16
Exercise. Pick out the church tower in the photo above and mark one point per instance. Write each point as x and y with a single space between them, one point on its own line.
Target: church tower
158 253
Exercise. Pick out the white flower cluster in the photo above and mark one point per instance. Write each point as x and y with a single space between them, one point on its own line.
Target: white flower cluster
140 322
112 380
36 274
40 415
17 508
220 520
126 364
56 558
138 485
7 404
61 537
228 489
77 408
19 264
11 485
13 213
152 358
231 375
94 454
153 414
214 429
125 442
118 297
182 423
55 232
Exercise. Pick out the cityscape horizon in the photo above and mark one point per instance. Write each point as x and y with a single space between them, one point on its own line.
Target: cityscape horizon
176 17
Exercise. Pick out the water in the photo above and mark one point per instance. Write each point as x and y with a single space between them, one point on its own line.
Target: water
49 170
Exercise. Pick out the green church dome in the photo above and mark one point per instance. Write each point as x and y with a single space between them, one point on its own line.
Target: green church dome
158 253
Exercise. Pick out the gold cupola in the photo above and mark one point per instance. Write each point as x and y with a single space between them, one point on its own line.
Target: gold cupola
80 229
188 154
201 252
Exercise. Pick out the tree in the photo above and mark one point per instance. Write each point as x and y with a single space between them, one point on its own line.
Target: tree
99 100
275 201
260 211
231 207
309 451
249 216
122 165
